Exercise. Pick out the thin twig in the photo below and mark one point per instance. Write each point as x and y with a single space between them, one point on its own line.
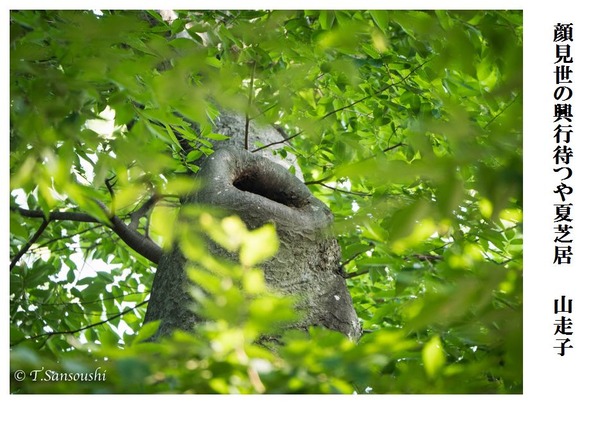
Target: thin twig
60 238
28 245
383 89
143 210
277 142
270 107
249 106
502 111
360 194
355 255
427 257
80 303
320 181
73 331
111 191
387 149
355 274
395 129
377 92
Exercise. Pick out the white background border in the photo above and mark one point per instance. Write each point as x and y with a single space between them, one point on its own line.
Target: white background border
560 393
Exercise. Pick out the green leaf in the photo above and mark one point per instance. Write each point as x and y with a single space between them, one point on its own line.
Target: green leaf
434 357
381 18
146 331
259 245
194 155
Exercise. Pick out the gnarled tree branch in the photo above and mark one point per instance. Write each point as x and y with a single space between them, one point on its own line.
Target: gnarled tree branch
135 240
56 216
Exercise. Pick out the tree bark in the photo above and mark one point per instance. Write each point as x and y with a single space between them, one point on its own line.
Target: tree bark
260 190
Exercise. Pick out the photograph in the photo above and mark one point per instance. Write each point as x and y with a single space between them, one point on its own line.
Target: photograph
297 206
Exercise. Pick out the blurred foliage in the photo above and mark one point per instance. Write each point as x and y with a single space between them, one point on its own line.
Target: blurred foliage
408 124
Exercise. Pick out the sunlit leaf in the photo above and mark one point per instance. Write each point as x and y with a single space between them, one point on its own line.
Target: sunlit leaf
433 356
146 331
259 245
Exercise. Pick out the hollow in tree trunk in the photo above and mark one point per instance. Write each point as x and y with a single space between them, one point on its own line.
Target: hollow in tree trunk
260 191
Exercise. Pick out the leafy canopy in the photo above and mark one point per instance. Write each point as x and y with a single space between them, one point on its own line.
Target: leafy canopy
408 124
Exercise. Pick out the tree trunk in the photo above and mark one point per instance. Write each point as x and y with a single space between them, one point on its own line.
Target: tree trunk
259 191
